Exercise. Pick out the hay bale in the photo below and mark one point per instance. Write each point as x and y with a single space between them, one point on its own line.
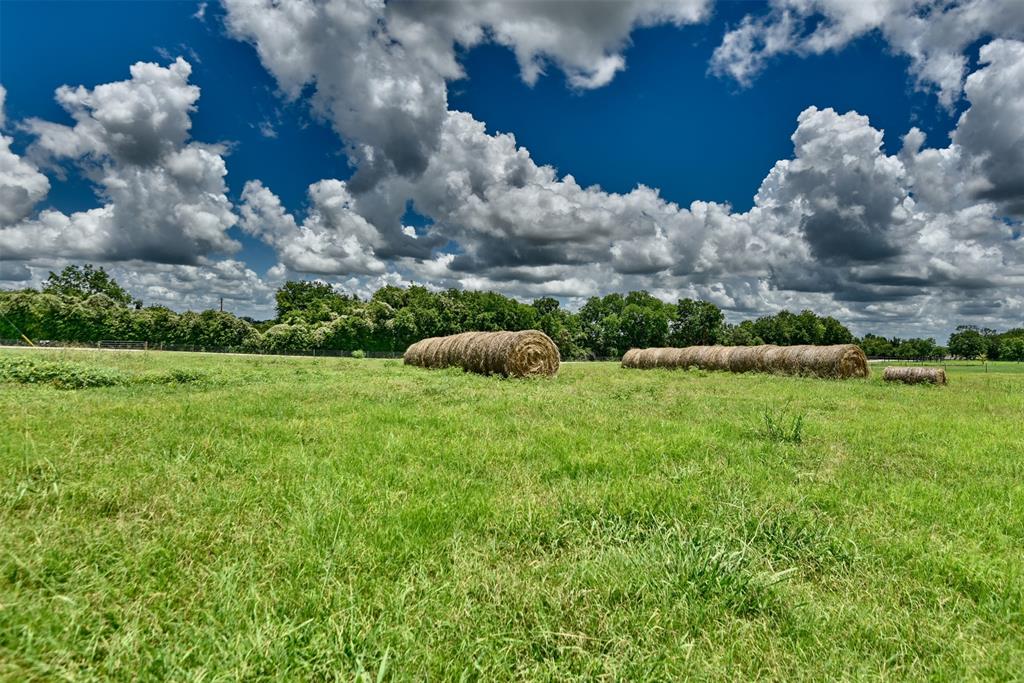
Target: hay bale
839 361
914 375
512 354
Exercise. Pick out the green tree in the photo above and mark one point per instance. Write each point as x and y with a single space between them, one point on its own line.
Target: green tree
696 323
641 327
285 337
808 328
873 345
81 282
917 348
1012 348
835 332
545 305
310 301
967 342
740 335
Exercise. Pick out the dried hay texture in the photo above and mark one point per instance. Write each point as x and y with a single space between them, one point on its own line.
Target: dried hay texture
840 361
914 375
512 354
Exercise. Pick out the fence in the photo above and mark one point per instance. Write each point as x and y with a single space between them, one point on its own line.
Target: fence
114 344
915 359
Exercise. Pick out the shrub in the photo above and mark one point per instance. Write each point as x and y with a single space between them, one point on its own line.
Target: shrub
179 376
359 353
60 374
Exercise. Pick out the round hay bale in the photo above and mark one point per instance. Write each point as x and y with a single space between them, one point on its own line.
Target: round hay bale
631 358
655 358
914 375
512 354
839 361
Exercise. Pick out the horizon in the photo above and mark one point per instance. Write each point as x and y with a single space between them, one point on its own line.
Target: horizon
760 157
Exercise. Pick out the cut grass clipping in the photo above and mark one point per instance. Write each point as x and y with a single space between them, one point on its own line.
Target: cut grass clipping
512 354
68 375
840 361
914 375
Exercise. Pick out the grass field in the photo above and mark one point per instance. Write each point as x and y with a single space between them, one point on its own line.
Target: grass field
237 517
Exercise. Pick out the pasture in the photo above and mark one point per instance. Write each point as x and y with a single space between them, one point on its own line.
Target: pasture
235 517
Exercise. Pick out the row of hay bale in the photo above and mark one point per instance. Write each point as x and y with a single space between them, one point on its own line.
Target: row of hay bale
839 361
512 354
531 352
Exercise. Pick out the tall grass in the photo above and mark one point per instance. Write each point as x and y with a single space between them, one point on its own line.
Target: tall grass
308 519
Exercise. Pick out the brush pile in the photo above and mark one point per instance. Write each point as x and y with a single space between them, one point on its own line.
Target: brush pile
914 375
840 361
512 354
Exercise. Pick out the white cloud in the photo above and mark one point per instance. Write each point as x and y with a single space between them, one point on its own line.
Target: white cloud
991 132
267 129
934 34
842 226
380 72
199 287
136 121
164 196
22 186
584 39
332 240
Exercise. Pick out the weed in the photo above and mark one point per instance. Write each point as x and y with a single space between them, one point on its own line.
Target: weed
60 374
178 376
782 425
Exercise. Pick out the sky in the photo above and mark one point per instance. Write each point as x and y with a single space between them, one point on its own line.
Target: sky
862 158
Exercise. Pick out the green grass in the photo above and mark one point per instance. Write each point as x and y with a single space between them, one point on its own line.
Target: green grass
299 518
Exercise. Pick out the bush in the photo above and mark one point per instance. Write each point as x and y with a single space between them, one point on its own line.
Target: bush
179 376
60 374
359 353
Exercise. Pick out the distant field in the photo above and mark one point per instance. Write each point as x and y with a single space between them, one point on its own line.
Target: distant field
231 517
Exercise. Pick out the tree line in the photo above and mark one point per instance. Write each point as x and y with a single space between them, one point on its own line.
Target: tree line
84 304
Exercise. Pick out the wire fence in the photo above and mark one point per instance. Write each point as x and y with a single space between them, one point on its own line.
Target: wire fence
116 344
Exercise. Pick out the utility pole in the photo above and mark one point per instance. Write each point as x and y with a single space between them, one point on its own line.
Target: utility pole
222 304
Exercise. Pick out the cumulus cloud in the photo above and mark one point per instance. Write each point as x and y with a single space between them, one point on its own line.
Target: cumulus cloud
16 273
847 224
842 226
380 72
199 287
584 39
164 196
991 132
22 186
332 239
934 34
845 195
136 121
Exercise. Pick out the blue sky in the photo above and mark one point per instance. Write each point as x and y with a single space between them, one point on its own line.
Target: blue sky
675 119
